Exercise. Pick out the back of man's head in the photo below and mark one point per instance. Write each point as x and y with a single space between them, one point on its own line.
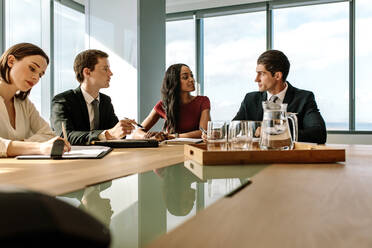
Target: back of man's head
87 59
275 61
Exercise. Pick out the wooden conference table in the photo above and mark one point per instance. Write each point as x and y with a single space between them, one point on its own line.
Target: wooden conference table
290 205
56 177
287 205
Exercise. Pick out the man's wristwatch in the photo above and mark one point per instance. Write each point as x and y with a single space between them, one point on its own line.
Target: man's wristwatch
176 135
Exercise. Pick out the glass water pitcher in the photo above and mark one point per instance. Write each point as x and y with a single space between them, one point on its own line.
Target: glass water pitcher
275 132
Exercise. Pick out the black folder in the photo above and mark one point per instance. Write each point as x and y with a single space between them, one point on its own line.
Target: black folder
127 143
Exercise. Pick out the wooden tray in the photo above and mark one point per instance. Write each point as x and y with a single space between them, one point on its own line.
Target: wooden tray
205 172
302 153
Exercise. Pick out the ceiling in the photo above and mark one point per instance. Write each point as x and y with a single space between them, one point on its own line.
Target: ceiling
173 6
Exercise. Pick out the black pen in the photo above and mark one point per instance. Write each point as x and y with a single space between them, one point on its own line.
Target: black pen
135 123
203 130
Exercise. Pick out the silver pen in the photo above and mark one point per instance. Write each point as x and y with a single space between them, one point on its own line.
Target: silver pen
203 130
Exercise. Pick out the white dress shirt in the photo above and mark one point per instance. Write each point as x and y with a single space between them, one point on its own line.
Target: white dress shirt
29 125
280 95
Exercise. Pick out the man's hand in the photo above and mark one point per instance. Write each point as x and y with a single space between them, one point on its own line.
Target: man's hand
122 128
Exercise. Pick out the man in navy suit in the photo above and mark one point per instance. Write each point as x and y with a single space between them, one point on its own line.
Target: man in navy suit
272 71
87 114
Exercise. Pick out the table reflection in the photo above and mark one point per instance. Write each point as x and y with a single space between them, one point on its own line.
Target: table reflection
178 195
139 208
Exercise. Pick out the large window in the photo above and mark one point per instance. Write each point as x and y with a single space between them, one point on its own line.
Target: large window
232 45
363 47
69 40
180 40
316 41
29 21
17 14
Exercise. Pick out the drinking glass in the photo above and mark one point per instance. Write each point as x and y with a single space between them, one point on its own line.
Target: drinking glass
254 131
240 138
217 135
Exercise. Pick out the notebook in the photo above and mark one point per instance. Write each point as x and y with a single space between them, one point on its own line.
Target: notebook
127 143
77 152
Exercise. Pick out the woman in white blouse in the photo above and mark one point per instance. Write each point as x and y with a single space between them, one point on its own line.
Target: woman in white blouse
22 130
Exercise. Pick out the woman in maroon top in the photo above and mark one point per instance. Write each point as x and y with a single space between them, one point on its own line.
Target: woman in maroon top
183 113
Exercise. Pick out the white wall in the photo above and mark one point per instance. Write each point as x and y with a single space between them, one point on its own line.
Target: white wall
349 139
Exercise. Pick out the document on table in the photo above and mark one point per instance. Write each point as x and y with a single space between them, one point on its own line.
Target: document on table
77 152
182 141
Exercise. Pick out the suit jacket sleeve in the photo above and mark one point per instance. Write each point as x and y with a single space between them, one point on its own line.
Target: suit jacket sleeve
241 115
63 111
313 126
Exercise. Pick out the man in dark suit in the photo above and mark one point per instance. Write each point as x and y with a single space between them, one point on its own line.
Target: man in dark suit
272 71
87 114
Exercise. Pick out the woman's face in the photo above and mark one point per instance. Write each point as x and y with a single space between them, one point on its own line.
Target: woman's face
25 73
187 80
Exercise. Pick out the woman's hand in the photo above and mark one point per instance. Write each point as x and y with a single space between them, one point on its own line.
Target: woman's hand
46 147
159 136
204 137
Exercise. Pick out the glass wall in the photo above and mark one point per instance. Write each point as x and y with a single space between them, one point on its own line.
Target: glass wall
316 40
69 40
17 14
232 45
363 49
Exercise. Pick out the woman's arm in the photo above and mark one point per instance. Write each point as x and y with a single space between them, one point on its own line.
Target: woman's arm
147 124
16 148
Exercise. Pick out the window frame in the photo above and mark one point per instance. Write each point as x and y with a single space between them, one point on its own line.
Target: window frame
268 6
48 91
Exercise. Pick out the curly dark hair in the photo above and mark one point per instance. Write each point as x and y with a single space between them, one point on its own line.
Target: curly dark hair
170 95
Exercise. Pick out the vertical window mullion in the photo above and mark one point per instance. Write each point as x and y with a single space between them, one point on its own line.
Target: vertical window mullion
352 65
199 52
269 27
2 26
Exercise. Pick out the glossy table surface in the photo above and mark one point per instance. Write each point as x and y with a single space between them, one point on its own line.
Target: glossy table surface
149 196
56 177
141 207
290 205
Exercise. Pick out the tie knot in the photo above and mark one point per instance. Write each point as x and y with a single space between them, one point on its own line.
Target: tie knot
95 102
273 98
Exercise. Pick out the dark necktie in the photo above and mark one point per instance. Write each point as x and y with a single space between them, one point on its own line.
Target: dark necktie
273 98
95 105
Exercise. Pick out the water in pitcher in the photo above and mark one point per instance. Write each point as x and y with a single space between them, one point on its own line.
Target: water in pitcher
275 135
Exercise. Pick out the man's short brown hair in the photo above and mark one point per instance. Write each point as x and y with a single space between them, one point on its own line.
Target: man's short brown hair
275 61
87 59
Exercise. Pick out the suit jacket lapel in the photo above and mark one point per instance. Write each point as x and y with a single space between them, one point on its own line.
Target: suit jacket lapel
83 107
289 94
263 97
